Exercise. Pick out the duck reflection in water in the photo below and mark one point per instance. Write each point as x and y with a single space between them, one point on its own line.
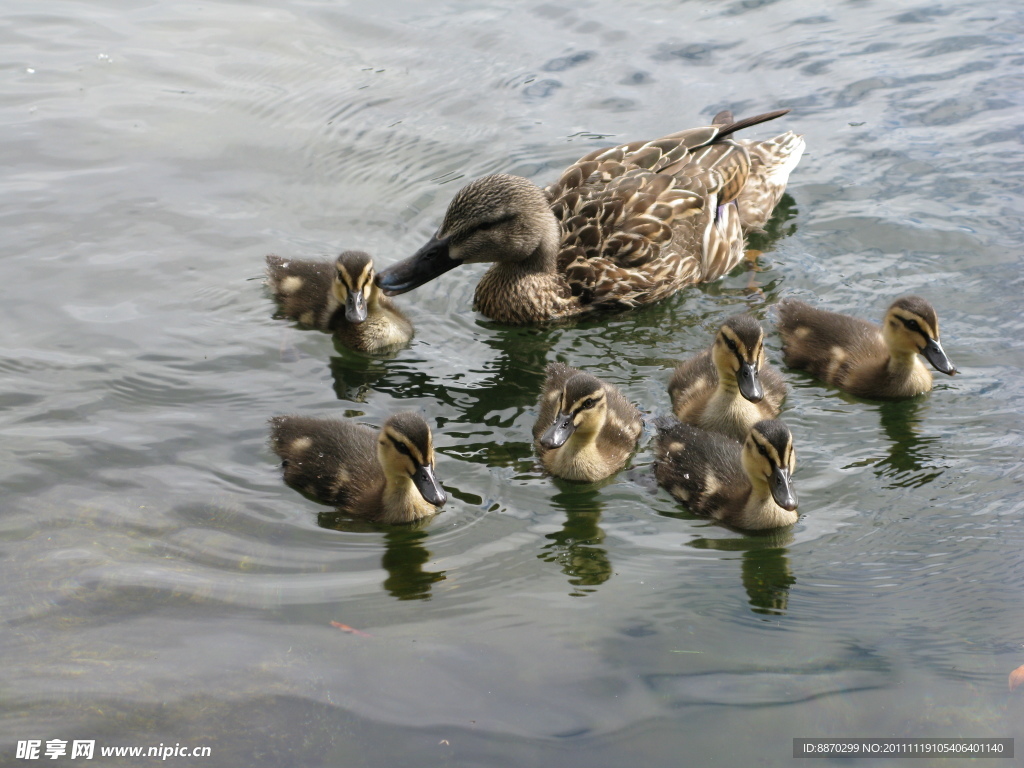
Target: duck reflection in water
913 460
577 546
764 569
513 366
405 554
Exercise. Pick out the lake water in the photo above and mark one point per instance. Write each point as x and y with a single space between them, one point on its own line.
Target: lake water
161 585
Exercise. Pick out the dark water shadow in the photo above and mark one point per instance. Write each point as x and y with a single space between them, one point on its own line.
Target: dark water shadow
514 374
780 225
576 547
765 569
913 460
405 554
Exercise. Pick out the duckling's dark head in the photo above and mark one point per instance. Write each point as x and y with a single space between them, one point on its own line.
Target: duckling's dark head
911 326
353 283
405 447
582 407
739 353
768 457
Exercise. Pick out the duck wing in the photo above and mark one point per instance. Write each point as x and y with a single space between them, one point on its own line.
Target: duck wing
640 219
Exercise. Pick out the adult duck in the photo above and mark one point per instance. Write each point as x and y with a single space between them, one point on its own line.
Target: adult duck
622 227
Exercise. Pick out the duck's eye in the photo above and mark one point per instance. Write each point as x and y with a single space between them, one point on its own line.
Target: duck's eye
730 344
588 403
912 325
402 448
483 226
762 451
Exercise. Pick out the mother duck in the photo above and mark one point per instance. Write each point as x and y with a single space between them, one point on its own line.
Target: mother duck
622 227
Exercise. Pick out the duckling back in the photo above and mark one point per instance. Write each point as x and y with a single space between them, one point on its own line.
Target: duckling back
700 468
333 462
302 290
826 343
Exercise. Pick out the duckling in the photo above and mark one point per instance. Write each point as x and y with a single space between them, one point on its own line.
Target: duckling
728 387
861 358
340 297
623 226
745 486
387 477
586 428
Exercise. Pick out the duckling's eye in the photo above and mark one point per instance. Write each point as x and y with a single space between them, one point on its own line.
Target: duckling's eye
730 344
588 403
762 451
402 448
912 325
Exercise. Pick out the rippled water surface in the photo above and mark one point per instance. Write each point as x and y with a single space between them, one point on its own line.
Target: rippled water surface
162 585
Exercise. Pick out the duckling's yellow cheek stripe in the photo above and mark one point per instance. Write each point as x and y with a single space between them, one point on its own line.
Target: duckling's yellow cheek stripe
773 455
366 277
577 407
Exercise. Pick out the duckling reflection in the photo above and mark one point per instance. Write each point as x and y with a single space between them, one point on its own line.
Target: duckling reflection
404 555
912 460
576 547
514 361
765 569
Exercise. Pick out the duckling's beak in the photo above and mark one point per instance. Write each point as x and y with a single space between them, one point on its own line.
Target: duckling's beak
430 261
427 484
559 432
355 307
782 491
750 384
934 354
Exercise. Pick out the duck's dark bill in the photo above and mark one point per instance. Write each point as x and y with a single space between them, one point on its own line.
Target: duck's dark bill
782 492
934 354
355 307
556 435
749 383
423 266
427 484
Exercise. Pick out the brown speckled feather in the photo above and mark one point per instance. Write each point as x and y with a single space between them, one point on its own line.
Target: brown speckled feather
641 219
